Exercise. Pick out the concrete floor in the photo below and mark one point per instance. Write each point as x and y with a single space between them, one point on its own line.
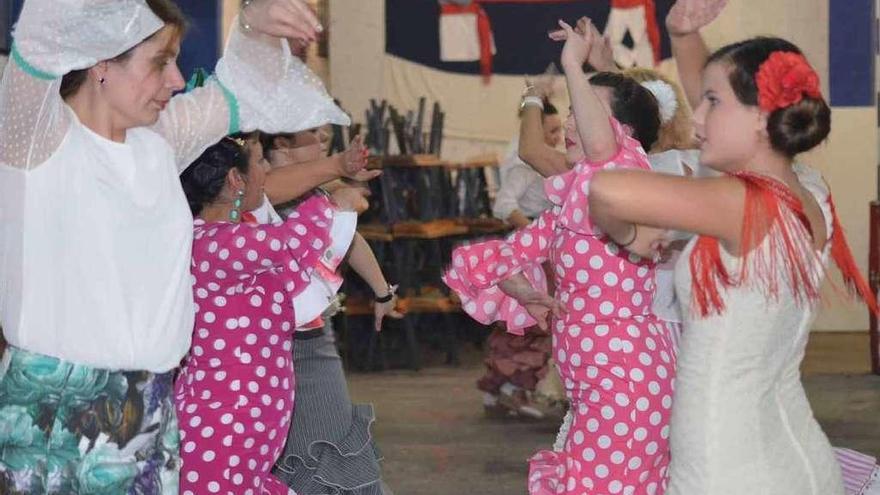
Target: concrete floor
436 440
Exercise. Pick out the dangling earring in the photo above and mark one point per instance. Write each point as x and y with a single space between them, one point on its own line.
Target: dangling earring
235 214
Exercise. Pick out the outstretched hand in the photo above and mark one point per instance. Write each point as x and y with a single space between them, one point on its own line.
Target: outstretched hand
387 309
354 159
292 19
351 198
689 16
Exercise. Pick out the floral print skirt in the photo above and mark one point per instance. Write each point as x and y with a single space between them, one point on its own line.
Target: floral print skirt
66 428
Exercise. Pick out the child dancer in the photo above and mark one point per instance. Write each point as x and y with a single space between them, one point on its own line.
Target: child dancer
612 353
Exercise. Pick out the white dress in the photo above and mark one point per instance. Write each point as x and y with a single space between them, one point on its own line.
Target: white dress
741 422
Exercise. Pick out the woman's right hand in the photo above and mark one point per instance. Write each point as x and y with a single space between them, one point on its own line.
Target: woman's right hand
354 159
292 19
539 304
577 45
601 55
689 16
352 162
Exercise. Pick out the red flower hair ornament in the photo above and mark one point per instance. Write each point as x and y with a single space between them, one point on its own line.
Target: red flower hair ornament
783 80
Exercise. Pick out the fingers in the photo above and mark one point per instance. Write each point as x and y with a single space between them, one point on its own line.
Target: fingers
558 35
557 310
564 25
305 12
292 21
379 317
366 175
301 20
542 322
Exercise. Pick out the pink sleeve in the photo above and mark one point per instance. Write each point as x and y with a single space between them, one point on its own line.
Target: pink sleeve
569 190
289 250
477 270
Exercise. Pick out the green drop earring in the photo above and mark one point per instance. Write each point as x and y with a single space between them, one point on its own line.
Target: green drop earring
235 214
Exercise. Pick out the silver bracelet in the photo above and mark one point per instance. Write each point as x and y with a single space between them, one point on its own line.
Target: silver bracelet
242 22
532 100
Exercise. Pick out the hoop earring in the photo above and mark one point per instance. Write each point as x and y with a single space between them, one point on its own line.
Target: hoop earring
235 214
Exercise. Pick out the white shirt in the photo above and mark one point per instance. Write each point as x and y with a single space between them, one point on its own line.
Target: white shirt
101 276
665 304
95 236
522 188
321 291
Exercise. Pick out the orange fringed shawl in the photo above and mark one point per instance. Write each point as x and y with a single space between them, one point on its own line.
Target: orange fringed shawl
790 254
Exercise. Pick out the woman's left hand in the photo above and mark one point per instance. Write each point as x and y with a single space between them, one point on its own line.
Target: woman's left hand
351 198
292 19
381 310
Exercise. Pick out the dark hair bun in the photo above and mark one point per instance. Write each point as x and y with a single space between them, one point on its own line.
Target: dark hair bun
799 127
794 129
204 179
632 105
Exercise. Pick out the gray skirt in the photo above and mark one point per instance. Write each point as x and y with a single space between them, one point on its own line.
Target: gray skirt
329 449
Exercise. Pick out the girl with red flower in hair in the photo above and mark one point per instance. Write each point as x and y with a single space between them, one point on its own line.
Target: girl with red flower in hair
749 281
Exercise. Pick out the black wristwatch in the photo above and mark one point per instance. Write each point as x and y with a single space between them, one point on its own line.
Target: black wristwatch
392 289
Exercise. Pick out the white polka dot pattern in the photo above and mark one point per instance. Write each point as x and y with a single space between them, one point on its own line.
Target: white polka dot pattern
239 380
613 355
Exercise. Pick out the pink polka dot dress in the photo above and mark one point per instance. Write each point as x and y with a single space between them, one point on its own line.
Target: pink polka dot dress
235 391
613 354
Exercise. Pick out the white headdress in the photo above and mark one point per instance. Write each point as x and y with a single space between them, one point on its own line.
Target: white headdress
666 100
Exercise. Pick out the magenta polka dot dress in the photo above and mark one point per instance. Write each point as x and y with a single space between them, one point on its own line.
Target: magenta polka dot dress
235 391
613 355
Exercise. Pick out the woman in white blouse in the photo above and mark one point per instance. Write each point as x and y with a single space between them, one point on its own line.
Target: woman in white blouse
95 233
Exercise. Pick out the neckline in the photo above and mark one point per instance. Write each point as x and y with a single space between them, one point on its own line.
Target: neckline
97 137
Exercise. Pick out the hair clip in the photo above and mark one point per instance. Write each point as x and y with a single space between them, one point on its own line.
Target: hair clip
239 141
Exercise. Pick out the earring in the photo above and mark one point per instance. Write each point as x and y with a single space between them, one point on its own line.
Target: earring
235 214
101 80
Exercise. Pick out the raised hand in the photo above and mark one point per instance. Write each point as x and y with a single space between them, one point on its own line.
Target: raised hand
577 45
689 16
354 159
601 56
292 19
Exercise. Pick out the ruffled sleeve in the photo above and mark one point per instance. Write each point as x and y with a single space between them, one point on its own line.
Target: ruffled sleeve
569 191
238 256
326 281
52 38
259 85
477 270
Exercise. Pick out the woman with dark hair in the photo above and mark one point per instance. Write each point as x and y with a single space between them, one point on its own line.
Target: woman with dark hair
749 281
95 298
255 285
612 354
